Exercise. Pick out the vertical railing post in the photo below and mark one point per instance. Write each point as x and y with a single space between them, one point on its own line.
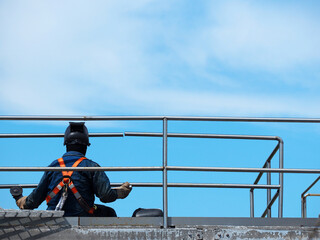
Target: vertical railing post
252 203
164 173
303 207
280 212
268 190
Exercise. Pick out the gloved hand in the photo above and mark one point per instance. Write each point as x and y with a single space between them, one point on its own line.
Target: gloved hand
20 203
124 190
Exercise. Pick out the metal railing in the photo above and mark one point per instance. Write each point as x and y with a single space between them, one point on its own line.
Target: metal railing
165 168
248 137
304 196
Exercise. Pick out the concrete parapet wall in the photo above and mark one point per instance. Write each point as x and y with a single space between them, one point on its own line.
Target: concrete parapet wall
217 232
46 227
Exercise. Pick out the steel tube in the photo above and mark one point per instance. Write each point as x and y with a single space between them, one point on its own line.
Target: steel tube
228 169
179 185
268 190
171 168
59 169
164 173
312 195
222 185
304 203
312 184
270 204
54 135
3 186
303 198
280 205
251 203
266 163
198 135
174 118
79 118
303 207
246 119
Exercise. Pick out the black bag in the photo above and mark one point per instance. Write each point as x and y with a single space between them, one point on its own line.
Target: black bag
147 212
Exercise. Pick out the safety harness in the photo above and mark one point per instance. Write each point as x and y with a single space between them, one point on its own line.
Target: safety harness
67 182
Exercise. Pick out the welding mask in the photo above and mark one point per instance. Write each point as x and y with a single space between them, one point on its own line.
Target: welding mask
76 133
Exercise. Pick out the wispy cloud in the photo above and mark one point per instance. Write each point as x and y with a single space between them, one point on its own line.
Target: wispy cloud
151 58
272 37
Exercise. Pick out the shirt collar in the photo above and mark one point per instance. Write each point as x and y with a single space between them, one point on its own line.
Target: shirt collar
73 153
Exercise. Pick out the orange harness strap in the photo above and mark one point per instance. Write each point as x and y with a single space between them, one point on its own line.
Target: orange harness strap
66 173
67 181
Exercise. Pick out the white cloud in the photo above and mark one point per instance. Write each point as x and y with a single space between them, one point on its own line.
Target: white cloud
175 102
251 35
110 57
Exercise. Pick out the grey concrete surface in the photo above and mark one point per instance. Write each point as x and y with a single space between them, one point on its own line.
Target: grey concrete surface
44 227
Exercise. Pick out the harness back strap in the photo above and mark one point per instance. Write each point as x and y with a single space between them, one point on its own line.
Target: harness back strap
66 173
67 181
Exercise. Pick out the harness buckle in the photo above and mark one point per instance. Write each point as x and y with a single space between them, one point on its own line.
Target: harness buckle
66 180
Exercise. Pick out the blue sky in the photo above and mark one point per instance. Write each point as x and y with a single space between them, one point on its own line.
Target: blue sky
209 58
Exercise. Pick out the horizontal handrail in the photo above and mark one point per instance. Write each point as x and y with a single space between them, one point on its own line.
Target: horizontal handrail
169 168
174 118
5 186
145 134
222 185
200 135
246 119
186 185
89 169
79 118
312 195
54 135
230 169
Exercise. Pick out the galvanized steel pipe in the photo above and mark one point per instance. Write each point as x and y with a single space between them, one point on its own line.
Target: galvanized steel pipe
169 168
200 135
164 174
59 169
178 185
54 135
173 118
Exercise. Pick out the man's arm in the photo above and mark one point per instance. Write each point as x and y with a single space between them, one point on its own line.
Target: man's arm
124 190
102 188
37 196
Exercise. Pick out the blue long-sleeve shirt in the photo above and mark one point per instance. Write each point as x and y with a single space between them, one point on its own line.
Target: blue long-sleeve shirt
88 184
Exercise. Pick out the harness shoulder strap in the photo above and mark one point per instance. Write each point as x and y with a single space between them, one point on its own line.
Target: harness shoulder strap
66 179
76 163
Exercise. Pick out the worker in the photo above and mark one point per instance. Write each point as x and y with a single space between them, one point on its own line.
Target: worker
73 191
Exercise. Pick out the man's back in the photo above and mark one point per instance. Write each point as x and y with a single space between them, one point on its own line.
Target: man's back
83 185
87 183
83 182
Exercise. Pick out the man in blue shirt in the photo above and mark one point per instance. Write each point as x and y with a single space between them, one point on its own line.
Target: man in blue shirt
73 191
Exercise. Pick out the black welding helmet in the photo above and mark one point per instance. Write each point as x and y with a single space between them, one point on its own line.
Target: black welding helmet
76 133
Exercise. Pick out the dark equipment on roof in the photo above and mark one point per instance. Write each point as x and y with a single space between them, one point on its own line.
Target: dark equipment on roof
147 212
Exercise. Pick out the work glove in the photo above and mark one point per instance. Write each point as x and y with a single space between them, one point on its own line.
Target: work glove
21 202
124 190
